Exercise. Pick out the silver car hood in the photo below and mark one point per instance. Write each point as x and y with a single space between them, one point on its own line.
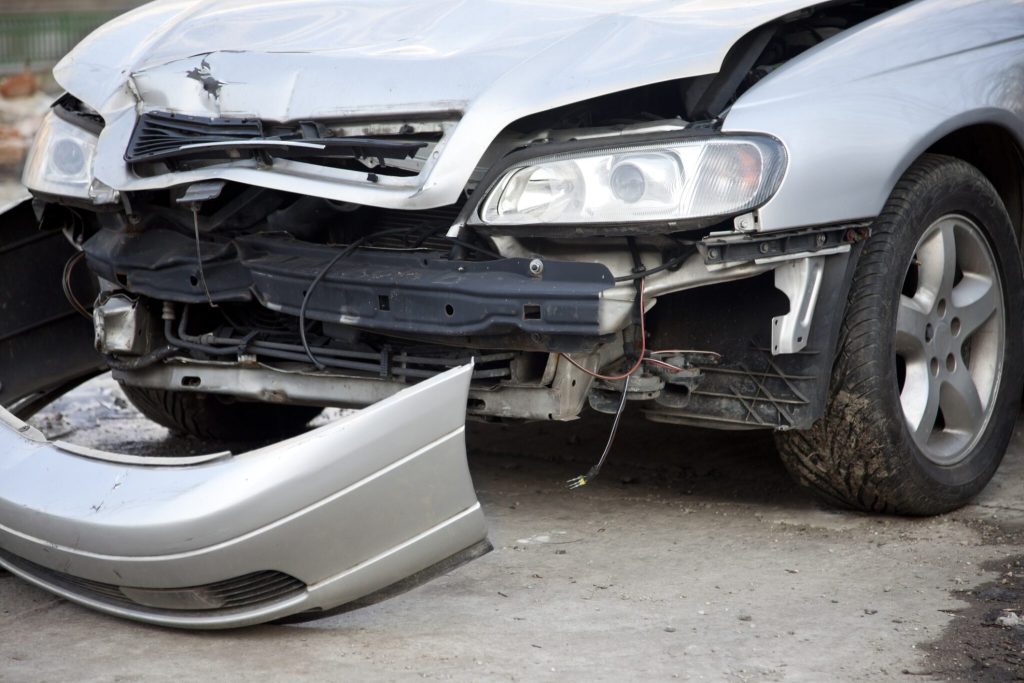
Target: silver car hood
490 62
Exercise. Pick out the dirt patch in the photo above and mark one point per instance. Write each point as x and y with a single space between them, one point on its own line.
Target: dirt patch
985 641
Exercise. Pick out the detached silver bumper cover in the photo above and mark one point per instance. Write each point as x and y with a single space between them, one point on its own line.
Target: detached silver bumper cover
326 518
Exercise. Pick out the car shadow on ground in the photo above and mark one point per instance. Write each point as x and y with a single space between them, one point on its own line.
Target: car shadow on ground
648 457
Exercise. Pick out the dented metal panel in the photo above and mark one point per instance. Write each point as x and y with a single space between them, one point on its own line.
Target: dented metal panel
494 61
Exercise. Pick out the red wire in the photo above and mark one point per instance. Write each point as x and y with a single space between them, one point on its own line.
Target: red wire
643 350
669 366
643 347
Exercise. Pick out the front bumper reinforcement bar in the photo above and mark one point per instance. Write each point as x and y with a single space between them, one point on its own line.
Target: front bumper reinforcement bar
406 293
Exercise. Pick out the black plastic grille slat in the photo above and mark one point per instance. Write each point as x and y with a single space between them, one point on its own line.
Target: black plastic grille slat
263 586
164 136
257 596
157 133
243 583
247 591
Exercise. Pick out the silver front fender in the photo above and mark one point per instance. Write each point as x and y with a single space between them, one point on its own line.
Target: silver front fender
307 524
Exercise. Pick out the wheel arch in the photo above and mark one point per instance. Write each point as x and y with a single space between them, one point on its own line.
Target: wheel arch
998 154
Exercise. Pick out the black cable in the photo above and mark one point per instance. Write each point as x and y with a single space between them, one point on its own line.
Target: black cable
473 247
347 251
309 292
320 276
141 362
667 265
272 350
199 255
69 294
584 479
638 262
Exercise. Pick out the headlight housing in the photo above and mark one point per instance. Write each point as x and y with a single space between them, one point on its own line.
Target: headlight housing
692 180
60 162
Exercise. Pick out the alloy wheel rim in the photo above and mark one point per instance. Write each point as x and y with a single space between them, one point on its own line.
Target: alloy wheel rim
949 340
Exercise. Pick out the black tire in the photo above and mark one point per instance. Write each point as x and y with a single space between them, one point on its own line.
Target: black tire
861 453
208 416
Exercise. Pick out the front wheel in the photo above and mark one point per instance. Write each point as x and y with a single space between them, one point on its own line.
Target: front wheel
927 381
207 416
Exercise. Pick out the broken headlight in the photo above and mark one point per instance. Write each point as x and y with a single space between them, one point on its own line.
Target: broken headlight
665 181
60 162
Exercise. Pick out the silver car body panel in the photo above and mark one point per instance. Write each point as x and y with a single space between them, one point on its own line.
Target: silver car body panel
873 96
488 62
332 515
857 110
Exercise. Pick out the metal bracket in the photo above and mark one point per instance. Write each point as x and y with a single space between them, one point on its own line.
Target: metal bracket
197 193
745 223
745 246
800 281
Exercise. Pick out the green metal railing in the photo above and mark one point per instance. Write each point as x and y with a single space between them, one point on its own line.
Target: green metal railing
41 39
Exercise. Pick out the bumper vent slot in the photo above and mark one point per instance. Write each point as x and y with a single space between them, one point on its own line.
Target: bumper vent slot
240 593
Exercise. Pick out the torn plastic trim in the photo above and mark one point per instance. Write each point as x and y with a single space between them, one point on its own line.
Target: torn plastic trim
347 509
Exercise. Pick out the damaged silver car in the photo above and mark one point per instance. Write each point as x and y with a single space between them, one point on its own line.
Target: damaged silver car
784 215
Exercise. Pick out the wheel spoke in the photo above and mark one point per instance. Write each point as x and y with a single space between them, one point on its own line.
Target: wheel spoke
961 406
910 328
975 301
937 254
920 399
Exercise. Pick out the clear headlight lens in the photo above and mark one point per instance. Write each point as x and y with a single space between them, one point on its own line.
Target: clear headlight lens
60 162
663 181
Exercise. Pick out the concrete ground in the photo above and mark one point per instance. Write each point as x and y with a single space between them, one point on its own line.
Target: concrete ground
692 557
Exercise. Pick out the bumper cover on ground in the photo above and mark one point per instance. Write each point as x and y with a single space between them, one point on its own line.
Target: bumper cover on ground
307 524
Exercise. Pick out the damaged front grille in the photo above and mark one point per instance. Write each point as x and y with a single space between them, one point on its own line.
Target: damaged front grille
426 228
271 336
243 592
160 136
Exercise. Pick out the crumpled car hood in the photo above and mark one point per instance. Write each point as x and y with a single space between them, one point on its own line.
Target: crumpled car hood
492 61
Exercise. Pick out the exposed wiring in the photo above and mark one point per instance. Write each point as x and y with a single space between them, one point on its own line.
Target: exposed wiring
309 293
676 352
141 362
199 255
584 479
69 294
644 357
682 352
472 247
320 276
663 364
671 263
640 357
307 296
